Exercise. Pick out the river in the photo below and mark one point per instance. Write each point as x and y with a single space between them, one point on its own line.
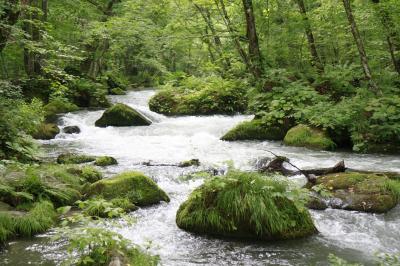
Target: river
169 140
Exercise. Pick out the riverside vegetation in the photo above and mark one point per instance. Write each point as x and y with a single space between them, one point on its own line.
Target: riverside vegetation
319 74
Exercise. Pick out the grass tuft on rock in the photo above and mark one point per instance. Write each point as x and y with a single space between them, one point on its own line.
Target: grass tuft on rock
305 136
254 130
245 205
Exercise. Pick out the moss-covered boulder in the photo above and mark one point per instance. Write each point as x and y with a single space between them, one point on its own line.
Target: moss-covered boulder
201 96
105 161
254 130
121 115
245 205
46 131
73 158
138 188
58 106
305 136
366 192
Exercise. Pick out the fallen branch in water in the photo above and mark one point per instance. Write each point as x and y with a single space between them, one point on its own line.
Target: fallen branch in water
277 165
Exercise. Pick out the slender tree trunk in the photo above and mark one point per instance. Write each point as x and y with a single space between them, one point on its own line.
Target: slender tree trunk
221 6
251 32
8 18
360 44
315 61
32 58
94 64
392 37
206 15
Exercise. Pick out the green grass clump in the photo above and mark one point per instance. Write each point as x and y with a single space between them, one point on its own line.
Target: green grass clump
105 161
140 189
6 227
254 130
304 136
38 220
46 131
245 205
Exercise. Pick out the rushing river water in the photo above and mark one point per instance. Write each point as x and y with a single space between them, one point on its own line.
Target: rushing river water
351 235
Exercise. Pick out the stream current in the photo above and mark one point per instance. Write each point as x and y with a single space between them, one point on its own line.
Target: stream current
350 235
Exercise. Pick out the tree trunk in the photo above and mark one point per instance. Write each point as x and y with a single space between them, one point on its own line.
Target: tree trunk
8 18
360 45
316 61
32 58
251 32
206 15
392 37
221 6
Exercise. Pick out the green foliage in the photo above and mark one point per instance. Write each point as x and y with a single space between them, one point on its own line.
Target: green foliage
336 261
200 96
90 174
99 207
86 93
46 131
6 227
98 246
57 106
18 120
246 205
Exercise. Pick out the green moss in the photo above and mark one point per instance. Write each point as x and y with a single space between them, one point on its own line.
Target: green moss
140 189
72 158
105 161
90 174
368 192
117 91
254 130
124 203
121 115
46 131
245 205
58 106
304 136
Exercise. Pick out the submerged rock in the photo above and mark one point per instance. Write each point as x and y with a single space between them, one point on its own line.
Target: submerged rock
305 136
105 161
135 186
73 158
244 205
254 130
121 115
366 192
192 162
71 130
46 131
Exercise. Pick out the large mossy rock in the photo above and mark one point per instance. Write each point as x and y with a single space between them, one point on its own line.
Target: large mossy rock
121 115
366 192
138 188
305 136
245 205
254 130
46 131
58 106
105 161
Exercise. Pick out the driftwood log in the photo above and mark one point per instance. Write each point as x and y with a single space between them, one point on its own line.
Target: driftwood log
277 165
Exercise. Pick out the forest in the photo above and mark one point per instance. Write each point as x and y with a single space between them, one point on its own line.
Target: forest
221 124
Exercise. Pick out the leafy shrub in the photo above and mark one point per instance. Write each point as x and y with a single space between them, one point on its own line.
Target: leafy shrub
99 207
18 120
86 93
200 96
